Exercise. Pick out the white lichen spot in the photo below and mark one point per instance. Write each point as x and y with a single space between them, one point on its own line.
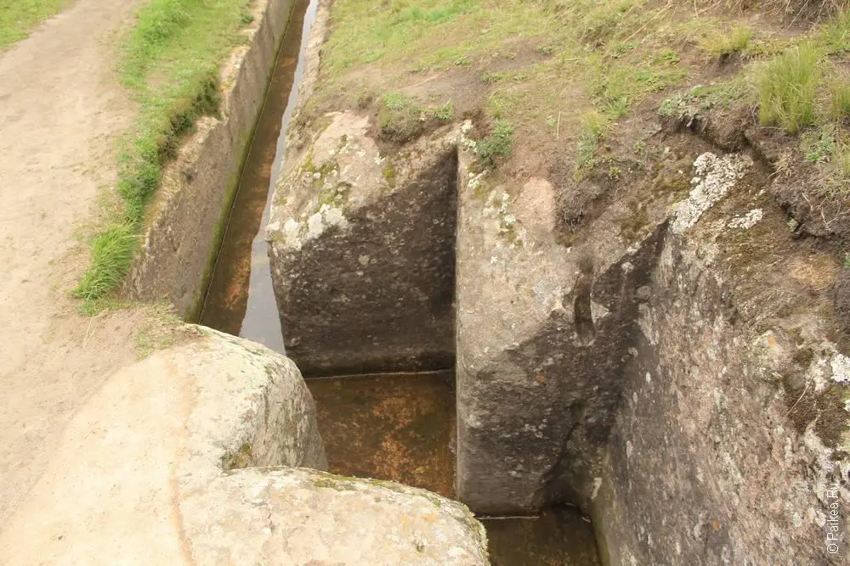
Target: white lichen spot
597 311
648 377
296 233
748 220
364 260
840 368
475 180
463 140
713 178
597 483
315 226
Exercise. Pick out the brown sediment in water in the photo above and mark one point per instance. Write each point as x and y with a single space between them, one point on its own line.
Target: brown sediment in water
558 537
397 427
240 299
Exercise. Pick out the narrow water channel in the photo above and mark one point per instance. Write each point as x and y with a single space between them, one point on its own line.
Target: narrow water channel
392 426
240 298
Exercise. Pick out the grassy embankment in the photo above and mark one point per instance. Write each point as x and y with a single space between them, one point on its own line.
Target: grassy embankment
800 85
573 70
19 17
169 62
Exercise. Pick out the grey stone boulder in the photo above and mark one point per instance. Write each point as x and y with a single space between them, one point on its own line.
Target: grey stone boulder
299 517
183 458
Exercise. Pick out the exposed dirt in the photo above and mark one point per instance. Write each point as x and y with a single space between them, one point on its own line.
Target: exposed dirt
61 111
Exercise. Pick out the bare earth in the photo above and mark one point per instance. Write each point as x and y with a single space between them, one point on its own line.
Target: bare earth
61 110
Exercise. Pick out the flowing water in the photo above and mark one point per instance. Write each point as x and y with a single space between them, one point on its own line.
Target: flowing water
396 426
240 298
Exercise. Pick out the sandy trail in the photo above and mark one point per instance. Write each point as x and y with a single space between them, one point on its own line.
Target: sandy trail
61 110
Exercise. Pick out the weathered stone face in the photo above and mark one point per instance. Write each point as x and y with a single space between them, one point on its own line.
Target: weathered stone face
704 465
362 252
636 392
538 367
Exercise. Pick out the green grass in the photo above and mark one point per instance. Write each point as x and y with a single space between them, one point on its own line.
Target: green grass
839 93
499 142
19 17
818 145
610 49
787 89
721 44
594 127
170 64
401 118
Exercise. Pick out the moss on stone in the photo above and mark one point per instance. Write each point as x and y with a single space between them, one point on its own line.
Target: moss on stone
242 458
389 174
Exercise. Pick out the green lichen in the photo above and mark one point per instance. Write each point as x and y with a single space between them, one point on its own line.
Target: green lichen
509 233
242 458
335 482
389 174
333 195
634 222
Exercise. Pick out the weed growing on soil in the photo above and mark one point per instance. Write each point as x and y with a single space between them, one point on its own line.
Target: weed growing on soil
445 112
399 118
721 45
170 64
19 17
840 99
787 89
819 145
594 127
499 142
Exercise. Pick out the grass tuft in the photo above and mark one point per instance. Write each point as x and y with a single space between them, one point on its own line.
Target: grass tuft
839 91
445 112
170 64
499 142
400 118
112 252
787 89
594 127
720 45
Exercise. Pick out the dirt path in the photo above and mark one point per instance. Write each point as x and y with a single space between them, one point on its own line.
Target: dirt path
60 112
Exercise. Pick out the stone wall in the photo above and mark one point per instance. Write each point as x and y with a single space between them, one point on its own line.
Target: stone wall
681 389
362 253
184 223
704 465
